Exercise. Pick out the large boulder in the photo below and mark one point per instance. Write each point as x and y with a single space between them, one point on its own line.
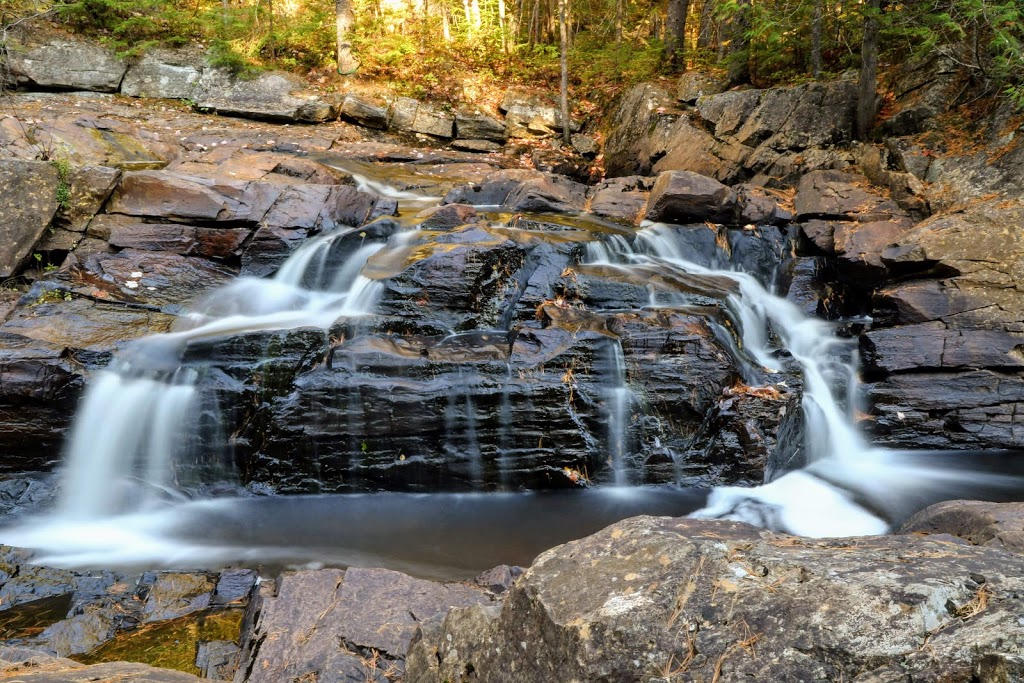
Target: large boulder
170 74
530 114
272 96
687 197
28 204
66 64
337 626
659 599
994 525
362 111
410 116
476 126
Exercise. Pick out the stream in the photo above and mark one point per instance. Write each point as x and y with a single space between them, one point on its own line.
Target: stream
149 478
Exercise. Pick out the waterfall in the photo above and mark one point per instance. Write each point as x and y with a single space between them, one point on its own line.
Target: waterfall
830 431
816 501
138 420
618 397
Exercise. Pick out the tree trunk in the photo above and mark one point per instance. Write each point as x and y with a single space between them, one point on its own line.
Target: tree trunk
502 26
270 34
707 19
563 30
816 21
347 63
619 11
739 48
225 14
475 16
868 71
675 32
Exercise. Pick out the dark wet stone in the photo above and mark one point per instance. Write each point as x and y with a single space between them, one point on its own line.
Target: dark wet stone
233 585
932 345
499 579
464 279
39 389
685 197
945 409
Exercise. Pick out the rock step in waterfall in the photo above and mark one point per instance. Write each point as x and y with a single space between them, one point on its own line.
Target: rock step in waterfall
343 282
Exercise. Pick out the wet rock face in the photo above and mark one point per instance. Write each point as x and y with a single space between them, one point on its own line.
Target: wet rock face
494 361
92 616
650 596
943 362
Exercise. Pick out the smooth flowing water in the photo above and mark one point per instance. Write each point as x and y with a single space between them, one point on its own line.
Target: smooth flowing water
145 427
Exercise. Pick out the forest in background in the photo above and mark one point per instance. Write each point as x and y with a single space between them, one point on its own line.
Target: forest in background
456 50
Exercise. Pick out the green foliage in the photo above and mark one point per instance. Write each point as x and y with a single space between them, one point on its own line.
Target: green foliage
133 26
63 193
451 50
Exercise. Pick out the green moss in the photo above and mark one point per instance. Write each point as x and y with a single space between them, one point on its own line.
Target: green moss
171 644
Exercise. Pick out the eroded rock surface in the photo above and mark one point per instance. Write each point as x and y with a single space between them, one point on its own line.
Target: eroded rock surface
359 631
994 525
667 599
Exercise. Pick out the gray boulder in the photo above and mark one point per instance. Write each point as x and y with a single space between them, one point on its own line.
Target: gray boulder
67 65
411 116
694 85
686 197
28 204
661 599
995 525
476 126
270 96
334 626
170 74
361 111
532 115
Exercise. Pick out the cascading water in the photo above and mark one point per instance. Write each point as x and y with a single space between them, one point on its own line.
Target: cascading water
847 487
136 420
618 399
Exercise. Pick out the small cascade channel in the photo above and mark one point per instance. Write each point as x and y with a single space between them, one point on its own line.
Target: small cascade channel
150 436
